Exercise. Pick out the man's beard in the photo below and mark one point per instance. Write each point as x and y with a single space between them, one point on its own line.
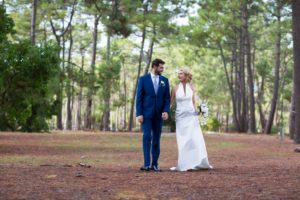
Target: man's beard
158 72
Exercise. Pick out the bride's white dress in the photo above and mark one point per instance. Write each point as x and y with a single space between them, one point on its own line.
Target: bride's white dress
192 152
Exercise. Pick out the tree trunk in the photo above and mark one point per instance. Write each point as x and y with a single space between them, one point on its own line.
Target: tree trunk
130 125
59 96
259 103
59 123
61 99
125 93
68 86
236 101
231 91
150 51
292 115
268 128
227 117
79 98
243 113
58 37
33 21
282 88
79 101
88 114
252 121
106 96
296 72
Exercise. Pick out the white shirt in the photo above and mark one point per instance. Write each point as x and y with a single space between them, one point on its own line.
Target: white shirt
154 76
155 79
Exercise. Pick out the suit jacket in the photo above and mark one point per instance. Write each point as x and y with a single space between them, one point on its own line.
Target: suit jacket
148 103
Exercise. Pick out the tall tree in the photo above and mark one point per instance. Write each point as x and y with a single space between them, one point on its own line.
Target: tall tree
88 114
206 31
106 93
109 76
252 120
274 100
292 114
79 97
242 75
33 21
116 24
263 70
296 72
60 38
145 12
69 88
150 50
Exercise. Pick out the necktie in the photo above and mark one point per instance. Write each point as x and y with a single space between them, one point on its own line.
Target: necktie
156 84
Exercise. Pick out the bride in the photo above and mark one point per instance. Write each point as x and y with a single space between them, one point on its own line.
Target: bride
192 154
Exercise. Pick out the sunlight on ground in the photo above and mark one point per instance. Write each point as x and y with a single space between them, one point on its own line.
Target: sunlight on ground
102 149
92 148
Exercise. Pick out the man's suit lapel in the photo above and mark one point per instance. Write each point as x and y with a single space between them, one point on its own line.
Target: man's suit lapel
151 83
159 86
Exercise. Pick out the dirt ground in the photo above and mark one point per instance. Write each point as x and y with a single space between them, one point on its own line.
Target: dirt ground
46 166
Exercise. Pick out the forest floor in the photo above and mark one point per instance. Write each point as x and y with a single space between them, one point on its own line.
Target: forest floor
46 166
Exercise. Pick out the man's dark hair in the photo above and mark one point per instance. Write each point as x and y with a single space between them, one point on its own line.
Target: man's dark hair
157 61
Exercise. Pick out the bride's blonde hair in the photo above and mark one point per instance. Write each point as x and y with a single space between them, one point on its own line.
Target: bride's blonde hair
187 74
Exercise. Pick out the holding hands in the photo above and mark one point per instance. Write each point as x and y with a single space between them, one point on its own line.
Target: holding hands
140 118
165 116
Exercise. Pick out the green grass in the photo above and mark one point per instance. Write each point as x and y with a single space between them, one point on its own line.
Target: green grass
274 154
126 143
93 149
97 149
214 145
22 159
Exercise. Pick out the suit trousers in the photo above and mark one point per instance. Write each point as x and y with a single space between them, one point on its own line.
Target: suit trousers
151 140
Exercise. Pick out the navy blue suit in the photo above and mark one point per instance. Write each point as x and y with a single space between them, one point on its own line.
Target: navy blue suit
151 106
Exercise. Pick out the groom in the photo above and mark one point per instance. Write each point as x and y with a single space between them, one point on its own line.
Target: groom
152 107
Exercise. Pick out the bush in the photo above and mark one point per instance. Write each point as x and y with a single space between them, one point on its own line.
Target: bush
25 74
212 124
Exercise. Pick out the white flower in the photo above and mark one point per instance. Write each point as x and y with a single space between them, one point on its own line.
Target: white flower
162 83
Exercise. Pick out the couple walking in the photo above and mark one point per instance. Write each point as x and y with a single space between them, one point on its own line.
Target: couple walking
153 102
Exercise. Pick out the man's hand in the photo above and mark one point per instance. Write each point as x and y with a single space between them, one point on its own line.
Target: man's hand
140 118
165 115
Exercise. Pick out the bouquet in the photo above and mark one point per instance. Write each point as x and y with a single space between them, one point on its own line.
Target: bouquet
203 112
